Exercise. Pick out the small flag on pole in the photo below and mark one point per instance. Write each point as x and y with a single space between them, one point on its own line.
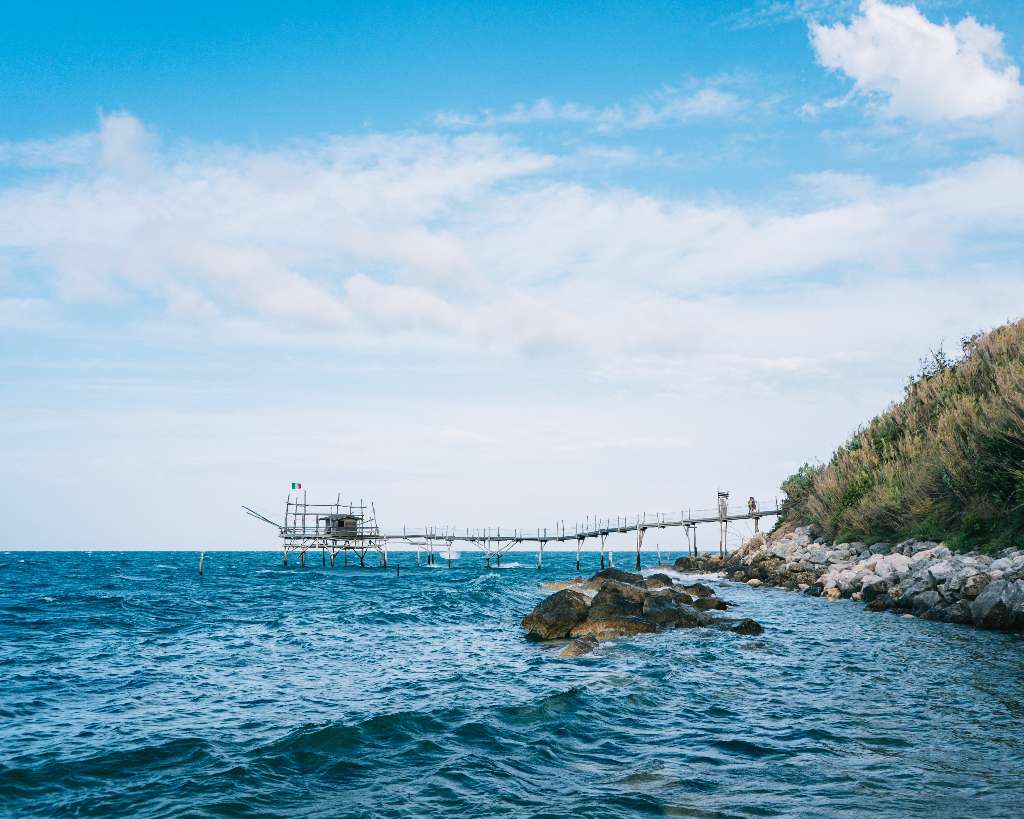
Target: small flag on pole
296 486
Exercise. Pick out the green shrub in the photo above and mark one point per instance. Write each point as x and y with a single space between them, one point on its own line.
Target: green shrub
945 463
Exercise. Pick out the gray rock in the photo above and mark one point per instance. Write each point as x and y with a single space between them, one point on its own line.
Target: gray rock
926 602
657 581
1000 605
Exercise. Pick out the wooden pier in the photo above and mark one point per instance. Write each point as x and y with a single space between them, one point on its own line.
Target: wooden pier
352 528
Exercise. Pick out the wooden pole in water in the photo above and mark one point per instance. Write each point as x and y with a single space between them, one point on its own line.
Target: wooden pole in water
201 555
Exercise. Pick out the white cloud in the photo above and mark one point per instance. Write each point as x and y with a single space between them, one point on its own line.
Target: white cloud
923 70
471 243
668 106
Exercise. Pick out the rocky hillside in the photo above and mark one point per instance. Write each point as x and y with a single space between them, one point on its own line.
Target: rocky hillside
923 578
944 464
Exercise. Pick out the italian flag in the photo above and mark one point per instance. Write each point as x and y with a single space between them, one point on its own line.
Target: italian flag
296 486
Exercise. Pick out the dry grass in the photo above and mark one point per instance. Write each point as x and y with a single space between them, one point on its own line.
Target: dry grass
947 462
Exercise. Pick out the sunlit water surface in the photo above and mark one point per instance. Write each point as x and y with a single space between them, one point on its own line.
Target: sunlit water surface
131 686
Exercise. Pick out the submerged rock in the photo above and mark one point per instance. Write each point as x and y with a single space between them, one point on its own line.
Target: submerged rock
611 628
748 626
699 590
557 585
556 616
577 648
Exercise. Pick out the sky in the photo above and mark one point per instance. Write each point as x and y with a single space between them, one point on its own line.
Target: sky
485 264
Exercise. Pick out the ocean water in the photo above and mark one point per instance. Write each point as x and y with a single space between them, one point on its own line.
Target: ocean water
132 687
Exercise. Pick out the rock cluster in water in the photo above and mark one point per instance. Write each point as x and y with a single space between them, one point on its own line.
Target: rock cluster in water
614 603
919 577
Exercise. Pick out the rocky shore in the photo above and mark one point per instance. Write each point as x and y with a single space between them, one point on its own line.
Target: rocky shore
921 578
614 603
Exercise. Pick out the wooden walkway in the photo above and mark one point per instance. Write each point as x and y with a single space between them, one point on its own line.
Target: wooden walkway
337 527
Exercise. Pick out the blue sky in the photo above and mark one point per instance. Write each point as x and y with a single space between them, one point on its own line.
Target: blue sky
497 265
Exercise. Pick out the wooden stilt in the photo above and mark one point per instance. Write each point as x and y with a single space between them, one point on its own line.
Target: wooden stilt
201 555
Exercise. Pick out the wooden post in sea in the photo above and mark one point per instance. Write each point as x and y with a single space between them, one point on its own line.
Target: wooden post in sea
201 555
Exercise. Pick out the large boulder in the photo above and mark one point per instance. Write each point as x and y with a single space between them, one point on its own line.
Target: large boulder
1000 605
686 564
658 581
557 615
616 599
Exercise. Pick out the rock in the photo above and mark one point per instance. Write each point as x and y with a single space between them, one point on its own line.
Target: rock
832 594
556 616
748 626
557 585
814 590
710 604
616 599
609 628
617 574
754 582
817 555
880 602
753 646
658 581
686 564
926 602
974 585
958 612
1000 605
699 590
872 586
857 597
667 611
577 648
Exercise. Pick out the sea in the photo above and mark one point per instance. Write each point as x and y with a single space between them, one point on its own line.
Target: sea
131 686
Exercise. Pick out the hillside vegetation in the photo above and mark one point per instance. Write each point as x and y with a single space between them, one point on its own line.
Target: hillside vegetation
946 463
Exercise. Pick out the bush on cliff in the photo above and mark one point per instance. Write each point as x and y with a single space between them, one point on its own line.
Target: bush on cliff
947 462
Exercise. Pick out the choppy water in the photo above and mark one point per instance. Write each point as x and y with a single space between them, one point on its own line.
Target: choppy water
130 686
